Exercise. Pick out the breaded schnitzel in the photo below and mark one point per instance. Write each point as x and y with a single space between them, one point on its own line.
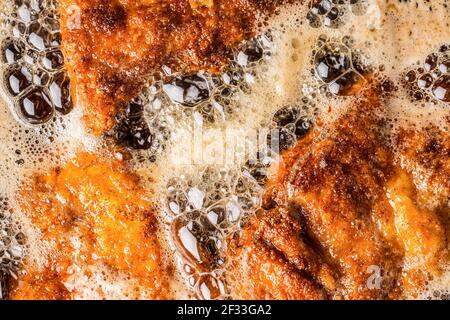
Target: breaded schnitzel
348 218
112 47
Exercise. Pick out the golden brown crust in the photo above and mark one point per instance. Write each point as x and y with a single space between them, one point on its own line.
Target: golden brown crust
100 203
359 212
112 47
425 154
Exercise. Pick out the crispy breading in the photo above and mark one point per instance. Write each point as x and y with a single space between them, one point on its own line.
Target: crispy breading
112 47
357 214
93 211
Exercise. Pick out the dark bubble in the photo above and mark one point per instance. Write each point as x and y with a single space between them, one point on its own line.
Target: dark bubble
12 51
38 36
53 60
4 285
134 110
444 66
441 88
417 95
35 107
188 91
18 29
18 80
430 62
331 61
425 81
387 86
331 18
56 39
289 127
314 20
286 115
411 76
40 77
198 240
345 85
302 127
251 53
60 93
21 238
333 14
322 7
135 133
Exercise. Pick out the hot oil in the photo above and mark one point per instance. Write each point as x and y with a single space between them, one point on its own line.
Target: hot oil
204 142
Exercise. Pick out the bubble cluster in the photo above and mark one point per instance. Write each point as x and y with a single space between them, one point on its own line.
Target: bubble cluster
332 13
338 65
144 127
212 97
12 245
4 279
33 64
206 210
432 78
289 124
147 122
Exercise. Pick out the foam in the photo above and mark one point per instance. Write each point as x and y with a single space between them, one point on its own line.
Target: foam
199 154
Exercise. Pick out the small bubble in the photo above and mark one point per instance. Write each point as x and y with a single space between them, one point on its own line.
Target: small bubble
411 76
18 80
441 88
53 60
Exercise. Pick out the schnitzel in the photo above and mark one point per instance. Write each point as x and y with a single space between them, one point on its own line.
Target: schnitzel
112 47
346 217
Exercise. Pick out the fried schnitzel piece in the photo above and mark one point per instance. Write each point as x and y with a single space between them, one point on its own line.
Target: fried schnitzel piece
93 212
361 231
113 46
278 263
